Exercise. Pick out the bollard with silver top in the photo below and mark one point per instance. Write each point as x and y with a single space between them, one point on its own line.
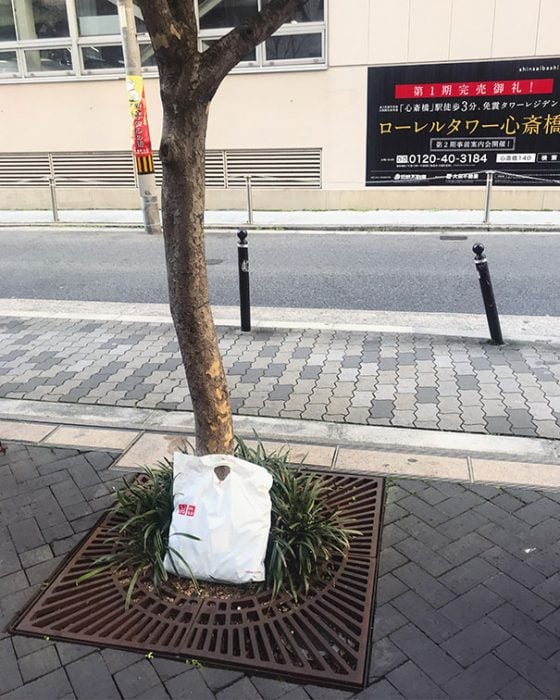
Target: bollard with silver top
487 294
249 199
488 195
54 203
244 292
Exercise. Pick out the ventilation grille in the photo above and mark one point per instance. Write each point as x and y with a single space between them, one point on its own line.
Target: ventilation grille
215 170
272 168
110 169
24 169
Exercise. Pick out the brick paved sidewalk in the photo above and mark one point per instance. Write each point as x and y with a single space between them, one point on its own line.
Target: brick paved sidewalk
468 601
365 378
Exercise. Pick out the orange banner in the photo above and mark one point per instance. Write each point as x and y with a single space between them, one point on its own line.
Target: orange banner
141 142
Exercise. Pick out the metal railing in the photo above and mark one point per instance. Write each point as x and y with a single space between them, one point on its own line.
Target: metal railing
490 183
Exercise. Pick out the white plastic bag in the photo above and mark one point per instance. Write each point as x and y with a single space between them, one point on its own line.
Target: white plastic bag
230 516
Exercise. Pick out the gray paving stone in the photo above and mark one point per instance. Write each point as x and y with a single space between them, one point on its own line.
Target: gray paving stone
513 567
189 684
26 535
381 690
27 645
531 666
425 585
465 548
467 382
136 678
423 532
38 663
53 686
522 598
91 678
386 620
242 688
520 689
428 656
482 680
427 395
552 623
472 573
384 658
381 408
10 676
472 605
498 425
475 641
431 621
389 587
526 630
271 689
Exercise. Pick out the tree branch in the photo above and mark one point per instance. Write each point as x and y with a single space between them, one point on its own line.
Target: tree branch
172 27
225 54
184 12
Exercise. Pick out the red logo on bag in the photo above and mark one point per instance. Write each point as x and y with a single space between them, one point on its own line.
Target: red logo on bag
186 509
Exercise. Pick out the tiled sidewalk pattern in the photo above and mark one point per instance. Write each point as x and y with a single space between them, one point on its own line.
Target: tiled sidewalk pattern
364 378
468 601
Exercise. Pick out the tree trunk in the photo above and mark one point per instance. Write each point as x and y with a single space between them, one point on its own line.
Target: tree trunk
182 154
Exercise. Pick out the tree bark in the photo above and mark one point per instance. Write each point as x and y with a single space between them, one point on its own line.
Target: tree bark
188 81
182 154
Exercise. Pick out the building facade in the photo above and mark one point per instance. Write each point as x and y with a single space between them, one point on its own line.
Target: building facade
302 114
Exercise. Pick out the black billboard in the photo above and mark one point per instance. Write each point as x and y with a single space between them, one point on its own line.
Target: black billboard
444 124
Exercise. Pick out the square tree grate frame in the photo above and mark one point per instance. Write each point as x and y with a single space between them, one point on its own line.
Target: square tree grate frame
323 639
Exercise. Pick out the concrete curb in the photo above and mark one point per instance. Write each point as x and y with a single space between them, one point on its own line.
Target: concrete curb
306 228
289 429
517 329
144 436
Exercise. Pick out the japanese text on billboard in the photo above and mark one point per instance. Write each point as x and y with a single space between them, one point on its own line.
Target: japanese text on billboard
447 123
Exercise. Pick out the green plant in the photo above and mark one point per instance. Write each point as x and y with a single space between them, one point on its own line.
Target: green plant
305 532
143 509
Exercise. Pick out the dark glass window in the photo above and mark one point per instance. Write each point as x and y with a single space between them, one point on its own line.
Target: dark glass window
41 19
293 46
218 14
103 57
7 24
147 56
8 62
46 60
100 17
312 11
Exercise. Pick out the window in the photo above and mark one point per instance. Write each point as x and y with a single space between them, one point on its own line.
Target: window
217 14
103 57
97 17
312 11
8 63
61 38
41 19
301 41
7 23
47 60
294 47
100 17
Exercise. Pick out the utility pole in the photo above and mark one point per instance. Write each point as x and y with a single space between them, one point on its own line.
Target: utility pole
141 143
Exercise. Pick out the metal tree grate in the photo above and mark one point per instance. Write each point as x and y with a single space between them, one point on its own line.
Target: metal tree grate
322 639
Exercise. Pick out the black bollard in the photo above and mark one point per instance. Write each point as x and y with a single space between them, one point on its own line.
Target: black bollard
244 293
487 294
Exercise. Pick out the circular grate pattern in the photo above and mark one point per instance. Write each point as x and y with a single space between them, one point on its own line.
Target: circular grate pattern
321 639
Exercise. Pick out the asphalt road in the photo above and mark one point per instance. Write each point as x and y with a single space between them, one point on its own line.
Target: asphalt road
381 272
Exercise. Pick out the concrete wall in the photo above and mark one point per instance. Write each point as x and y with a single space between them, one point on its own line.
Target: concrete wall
309 108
